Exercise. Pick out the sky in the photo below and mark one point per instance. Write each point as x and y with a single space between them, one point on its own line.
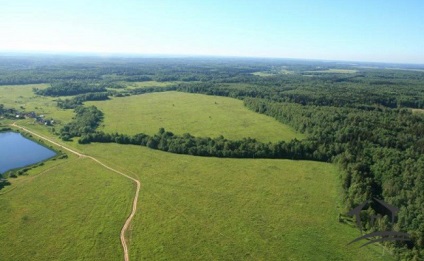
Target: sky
372 30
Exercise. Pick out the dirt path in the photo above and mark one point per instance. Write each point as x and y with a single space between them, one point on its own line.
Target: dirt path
135 200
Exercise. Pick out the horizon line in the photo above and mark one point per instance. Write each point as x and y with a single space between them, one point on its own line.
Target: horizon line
164 55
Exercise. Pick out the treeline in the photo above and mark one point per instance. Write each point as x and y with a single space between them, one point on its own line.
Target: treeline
212 147
86 120
317 92
68 88
142 90
79 99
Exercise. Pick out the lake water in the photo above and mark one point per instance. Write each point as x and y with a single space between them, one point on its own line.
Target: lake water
17 151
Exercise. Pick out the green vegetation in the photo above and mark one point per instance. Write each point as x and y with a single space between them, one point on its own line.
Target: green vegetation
365 120
22 98
147 84
263 74
211 147
64 210
333 71
79 99
199 115
8 113
68 88
87 119
417 110
208 208
273 72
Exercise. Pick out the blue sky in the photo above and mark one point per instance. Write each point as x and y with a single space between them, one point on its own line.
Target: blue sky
374 30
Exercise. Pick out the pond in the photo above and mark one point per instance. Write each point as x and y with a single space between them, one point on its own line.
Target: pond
17 151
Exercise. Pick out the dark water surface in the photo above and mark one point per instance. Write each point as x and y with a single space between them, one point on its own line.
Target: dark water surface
17 151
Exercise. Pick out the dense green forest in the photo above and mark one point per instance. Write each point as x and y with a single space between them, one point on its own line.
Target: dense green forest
87 119
362 120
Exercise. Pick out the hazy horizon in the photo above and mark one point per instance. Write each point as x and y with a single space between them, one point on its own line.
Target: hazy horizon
377 31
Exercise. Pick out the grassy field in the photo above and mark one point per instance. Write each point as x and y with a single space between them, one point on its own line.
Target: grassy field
132 85
200 115
195 208
190 208
334 71
263 74
65 210
267 74
15 96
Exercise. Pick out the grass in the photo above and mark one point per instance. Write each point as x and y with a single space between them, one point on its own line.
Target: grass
195 208
200 115
417 110
66 210
334 71
190 208
273 73
263 74
132 85
15 96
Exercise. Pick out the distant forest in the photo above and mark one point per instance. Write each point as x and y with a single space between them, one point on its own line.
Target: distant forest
358 116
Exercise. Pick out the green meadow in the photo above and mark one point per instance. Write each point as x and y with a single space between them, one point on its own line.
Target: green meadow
146 84
198 208
263 74
199 115
65 210
335 71
273 73
22 96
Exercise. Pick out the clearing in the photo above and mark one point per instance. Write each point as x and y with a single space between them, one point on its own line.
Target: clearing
197 114
334 71
146 84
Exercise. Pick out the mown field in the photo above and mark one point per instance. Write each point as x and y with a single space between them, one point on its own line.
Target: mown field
199 115
65 210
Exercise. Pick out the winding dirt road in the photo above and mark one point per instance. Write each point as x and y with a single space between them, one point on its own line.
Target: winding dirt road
135 200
